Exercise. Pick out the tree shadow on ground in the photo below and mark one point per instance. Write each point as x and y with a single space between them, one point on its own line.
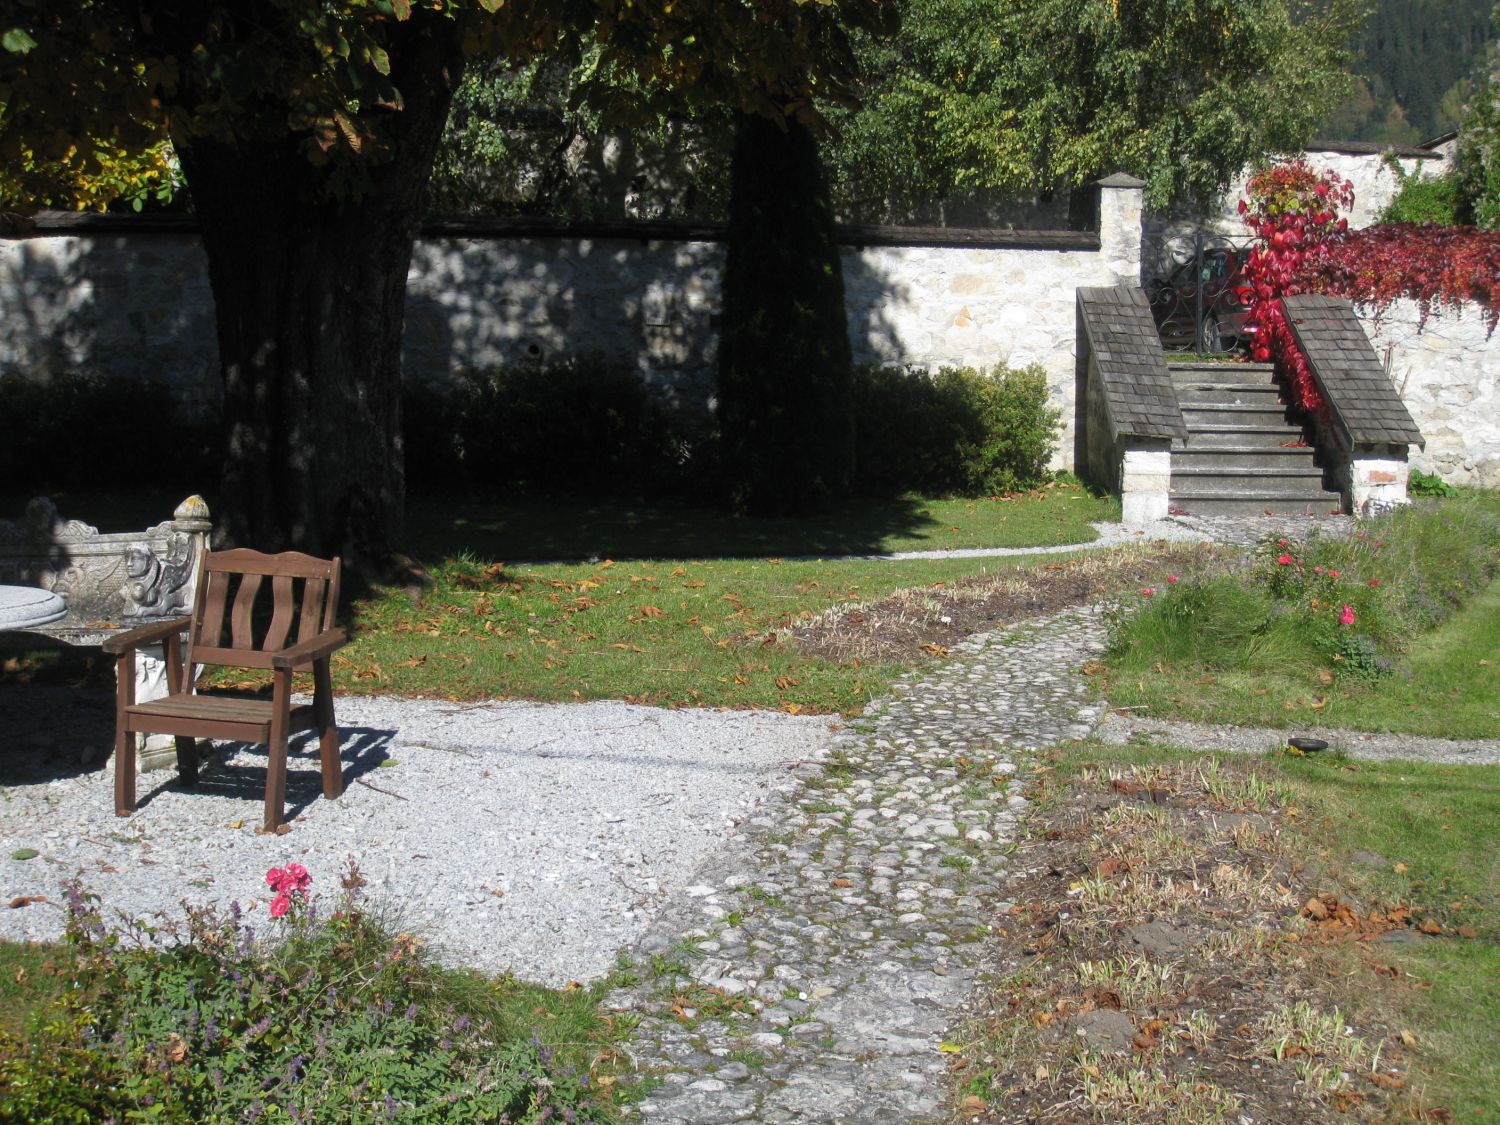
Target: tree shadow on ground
556 530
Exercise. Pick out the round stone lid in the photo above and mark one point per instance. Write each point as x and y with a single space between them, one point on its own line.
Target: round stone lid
25 607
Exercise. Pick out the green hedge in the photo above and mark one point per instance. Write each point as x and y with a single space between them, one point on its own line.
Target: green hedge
573 427
59 433
959 431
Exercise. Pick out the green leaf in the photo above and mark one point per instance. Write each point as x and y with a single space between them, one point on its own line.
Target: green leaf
16 41
25 853
379 59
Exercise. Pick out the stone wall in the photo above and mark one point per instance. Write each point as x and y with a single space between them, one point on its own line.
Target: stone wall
1448 374
93 300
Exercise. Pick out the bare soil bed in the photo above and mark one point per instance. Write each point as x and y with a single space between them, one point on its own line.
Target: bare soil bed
1168 958
924 622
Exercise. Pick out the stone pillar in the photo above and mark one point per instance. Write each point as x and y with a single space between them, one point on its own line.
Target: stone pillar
1145 485
1120 229
1377 480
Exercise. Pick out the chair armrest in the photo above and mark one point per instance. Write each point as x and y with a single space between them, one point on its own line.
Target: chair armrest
313 648
144 635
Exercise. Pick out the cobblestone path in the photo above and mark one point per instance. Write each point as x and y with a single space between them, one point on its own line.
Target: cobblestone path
816 969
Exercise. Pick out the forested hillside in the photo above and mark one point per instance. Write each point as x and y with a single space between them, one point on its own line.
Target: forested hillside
1416 58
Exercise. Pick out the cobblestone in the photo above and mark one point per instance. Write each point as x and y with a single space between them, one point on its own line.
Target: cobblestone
842 928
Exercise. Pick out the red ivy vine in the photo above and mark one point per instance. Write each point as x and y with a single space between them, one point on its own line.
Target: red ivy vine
1294 211
1437 267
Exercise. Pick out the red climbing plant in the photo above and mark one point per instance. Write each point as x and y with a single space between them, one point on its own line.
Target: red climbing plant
1294 211
1437 267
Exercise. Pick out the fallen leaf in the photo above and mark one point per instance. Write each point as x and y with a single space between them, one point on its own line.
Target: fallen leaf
1408 1038
652 611
26 900
1429 926
1466 932
1042 1074
949 1048
1399 869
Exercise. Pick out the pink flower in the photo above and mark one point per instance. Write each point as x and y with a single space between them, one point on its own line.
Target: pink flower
275 878
1282 542
1285 560
1332 573
280 905
297 875
1149 590
1317 570
1374 582
1347 617
1172 579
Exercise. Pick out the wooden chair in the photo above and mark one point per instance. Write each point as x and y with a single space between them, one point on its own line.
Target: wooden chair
303 592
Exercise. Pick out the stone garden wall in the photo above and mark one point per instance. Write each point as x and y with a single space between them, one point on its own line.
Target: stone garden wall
1448 374
85 296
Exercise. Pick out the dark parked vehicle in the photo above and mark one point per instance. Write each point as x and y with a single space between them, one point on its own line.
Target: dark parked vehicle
1177 304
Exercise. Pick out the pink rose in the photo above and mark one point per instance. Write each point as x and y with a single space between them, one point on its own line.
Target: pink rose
1285 560
1149 590
1374 582
1332 573
280 905
1172 579
297 875
1347 617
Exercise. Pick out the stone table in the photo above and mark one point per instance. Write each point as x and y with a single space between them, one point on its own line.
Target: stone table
26 607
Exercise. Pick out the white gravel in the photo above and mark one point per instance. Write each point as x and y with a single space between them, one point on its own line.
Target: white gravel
537 838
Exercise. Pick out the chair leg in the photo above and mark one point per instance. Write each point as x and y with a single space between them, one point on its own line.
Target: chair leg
276 765
124 739
124 771
328 732
187 761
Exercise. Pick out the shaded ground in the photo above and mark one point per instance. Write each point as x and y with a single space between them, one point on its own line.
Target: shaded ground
924 622
1168 958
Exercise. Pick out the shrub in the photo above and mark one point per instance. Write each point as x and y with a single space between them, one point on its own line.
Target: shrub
1425 201
56 432
956 431
336 1020
1428 484
573 427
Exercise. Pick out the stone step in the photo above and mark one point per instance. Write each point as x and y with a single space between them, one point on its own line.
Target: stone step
1220 480
1222 372
1211 415
1242 436
1255 502
1242 457
1213 394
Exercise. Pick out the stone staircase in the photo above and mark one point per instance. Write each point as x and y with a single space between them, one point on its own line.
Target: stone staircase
1241 455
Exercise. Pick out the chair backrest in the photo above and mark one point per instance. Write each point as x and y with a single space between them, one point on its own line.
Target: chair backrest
233 594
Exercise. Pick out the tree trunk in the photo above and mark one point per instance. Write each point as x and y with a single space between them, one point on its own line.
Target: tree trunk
308 266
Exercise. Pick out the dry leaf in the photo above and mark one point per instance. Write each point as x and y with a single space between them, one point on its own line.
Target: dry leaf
1408 1038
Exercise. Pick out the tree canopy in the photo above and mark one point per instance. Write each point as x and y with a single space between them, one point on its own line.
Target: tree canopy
306 131
1009 96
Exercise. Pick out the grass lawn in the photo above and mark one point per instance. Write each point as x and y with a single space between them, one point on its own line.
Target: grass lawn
674 633
1448 686
534 529
1379 835
1235 650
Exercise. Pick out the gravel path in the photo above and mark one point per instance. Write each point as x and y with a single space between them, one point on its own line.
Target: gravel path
1122 728
539 838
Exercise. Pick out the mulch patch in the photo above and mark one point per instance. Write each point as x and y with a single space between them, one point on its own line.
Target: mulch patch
926 621
1167 958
